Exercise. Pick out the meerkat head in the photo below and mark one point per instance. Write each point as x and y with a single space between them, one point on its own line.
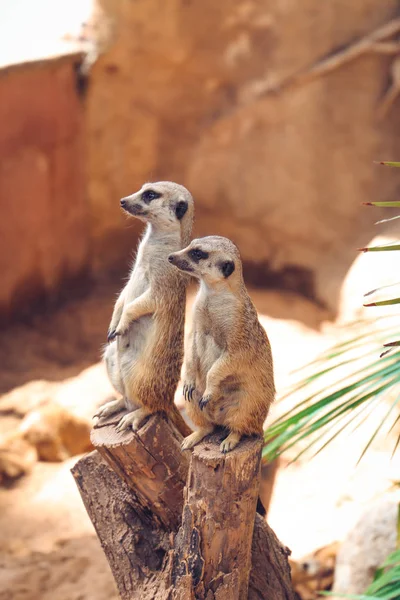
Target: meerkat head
164 204
214 259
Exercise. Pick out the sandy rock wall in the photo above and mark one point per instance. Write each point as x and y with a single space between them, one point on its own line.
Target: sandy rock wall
220 97
232 99
44 225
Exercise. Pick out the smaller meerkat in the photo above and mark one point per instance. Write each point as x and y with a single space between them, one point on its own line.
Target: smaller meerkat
146 334
229 378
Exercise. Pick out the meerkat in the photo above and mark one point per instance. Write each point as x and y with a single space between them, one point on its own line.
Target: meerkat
229 378
146 334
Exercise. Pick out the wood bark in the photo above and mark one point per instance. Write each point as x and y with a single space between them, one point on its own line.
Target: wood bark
150 462
213 545
134 494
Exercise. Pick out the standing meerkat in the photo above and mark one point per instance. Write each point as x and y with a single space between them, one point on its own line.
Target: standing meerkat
229 378
145 353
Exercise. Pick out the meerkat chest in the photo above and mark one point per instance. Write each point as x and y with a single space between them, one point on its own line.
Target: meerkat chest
139 281
214 320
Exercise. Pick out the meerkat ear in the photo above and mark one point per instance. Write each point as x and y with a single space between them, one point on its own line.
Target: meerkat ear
227 268
180 209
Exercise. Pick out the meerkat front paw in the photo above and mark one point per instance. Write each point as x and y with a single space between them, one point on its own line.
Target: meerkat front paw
188 391
132 420
196 437
230 442
110 408
204 401
123 326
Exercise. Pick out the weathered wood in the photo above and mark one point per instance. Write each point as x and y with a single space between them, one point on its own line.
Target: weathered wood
135 546
150 462
137 503
270 571
213 545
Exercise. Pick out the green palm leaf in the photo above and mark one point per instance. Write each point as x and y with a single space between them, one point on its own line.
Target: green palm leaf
327 410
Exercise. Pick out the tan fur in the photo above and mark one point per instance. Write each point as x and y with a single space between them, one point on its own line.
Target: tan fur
229 377
145 359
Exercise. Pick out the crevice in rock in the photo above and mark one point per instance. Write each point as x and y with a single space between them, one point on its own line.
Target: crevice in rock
291 278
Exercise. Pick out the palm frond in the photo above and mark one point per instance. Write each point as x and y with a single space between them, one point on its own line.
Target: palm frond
344 383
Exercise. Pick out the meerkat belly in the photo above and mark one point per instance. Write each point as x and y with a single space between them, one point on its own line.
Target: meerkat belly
132 345
230 402
208 351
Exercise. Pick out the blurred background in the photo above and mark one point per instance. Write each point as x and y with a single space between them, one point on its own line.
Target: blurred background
272 113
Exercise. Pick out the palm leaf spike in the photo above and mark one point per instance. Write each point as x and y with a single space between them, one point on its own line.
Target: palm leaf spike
385 204
385 248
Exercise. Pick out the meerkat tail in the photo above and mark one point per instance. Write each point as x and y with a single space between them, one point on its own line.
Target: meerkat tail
179 422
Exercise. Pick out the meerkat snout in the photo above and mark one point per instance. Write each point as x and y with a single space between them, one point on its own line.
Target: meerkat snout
181 263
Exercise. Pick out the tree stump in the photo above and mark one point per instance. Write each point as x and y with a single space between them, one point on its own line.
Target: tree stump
150 462
136 493
213 545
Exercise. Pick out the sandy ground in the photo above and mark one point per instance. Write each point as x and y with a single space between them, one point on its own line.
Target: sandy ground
48 550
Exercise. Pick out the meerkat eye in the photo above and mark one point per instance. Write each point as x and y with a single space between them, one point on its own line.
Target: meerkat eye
197 255
149 195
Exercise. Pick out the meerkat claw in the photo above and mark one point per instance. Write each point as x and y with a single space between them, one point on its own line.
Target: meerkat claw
111 335
128 421
230 442
188 390
204 401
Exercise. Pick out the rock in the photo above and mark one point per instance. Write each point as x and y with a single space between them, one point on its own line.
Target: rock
57 417
314 573
17 457
25 398
265 163
366 546
55 432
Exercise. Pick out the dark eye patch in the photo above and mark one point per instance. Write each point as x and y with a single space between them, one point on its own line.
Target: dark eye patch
149 195
227 268
197 255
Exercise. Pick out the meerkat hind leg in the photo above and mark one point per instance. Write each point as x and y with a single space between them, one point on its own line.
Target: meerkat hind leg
196 437
110 408
133 419
230 442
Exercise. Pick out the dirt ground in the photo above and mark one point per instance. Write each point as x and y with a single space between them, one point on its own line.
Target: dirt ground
48 549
